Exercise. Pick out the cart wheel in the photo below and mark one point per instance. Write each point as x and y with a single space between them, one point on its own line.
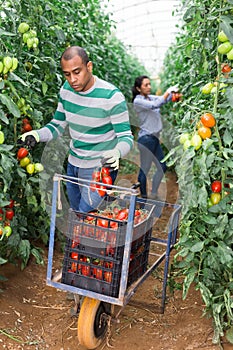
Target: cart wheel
93 322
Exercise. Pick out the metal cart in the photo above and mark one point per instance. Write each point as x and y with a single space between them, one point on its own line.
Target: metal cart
107 263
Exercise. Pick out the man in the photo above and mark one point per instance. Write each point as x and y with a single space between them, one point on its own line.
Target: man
96 113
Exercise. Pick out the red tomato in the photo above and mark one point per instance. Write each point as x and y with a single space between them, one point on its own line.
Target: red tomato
105 172
114 225
85 270
96 176
108 276
11 204
102 222
10 214
216 186
74 255
102 190
123 214
226 68
98 273
107 180
27 127
22 153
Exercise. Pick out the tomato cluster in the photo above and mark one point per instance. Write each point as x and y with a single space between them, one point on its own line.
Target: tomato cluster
215 196
101 175
91 267
6 215
204 125
25 161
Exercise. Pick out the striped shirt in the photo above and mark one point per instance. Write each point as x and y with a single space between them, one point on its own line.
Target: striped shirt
98 121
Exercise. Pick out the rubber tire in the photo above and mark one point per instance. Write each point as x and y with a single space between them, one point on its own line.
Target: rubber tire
87 334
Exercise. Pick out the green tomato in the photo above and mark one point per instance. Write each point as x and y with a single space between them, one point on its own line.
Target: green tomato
196 141
187 144
224 48
2 137
184 137
30 168
7 231
230 55
206 89
30 42
26 36
213 90
38 167
14 63
222 36
7 62
1 66
23 27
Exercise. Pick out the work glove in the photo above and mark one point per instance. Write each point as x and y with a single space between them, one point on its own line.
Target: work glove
30 138
174 88
111 158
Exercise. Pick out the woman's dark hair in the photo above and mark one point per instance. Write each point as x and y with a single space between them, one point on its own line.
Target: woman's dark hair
137 84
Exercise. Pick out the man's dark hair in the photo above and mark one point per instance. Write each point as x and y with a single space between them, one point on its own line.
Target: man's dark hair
73 51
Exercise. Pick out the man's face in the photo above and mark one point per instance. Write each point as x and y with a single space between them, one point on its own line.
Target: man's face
78 75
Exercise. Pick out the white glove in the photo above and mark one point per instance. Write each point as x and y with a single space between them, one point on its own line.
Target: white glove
174 88
111 158
30 133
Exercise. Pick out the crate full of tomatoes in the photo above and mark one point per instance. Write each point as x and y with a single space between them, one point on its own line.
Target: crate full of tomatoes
95 247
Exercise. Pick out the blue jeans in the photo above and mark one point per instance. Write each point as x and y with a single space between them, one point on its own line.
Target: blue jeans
150 151
81 198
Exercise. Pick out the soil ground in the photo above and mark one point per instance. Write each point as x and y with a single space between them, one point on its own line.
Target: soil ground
34 316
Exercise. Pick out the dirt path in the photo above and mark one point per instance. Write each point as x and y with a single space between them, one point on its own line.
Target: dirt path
35 316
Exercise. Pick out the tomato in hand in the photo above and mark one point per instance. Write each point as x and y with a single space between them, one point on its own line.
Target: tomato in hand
105 171
107 180
216 186
102 190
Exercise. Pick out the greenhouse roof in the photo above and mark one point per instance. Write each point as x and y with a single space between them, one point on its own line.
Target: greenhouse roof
148 27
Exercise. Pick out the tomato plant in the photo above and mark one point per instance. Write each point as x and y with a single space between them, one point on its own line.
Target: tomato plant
205 242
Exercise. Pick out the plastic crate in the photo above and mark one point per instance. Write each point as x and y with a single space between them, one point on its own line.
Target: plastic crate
93 254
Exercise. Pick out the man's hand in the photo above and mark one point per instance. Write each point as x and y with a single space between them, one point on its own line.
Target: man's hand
111 158
174 88
29 138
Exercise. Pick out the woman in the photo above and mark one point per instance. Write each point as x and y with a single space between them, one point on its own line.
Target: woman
147 107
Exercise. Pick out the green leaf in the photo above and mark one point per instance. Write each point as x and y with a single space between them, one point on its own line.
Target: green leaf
2 261
229 335
39 259
227 138
197 247
4 32
3 117
188 281
11 106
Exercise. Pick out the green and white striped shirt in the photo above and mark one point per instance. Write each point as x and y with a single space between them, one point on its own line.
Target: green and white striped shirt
98 121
